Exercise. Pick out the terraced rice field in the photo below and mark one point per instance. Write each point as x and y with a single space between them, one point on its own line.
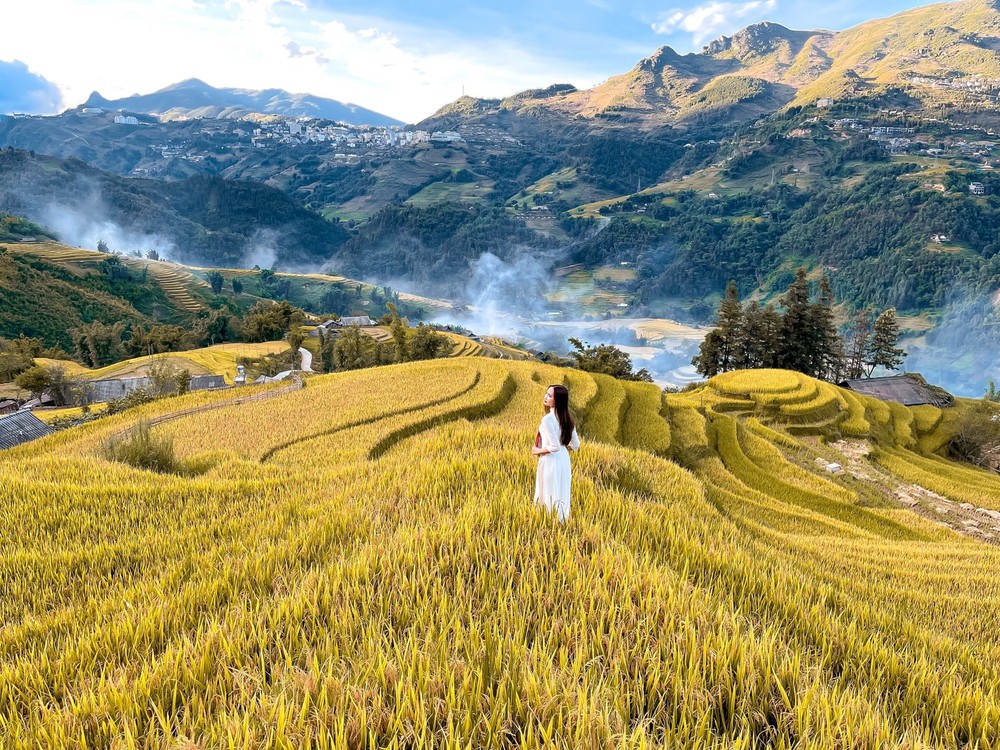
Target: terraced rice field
75 260
58 253
359 564
379 333
175 281
464 346
212 360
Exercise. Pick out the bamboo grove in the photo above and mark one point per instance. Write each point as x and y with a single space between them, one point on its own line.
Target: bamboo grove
358 564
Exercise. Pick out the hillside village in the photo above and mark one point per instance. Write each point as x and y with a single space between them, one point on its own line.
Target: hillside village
195 139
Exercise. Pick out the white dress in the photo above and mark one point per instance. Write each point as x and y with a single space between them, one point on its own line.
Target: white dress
552 483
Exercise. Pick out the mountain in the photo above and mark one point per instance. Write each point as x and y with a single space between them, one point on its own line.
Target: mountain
919 58
196 99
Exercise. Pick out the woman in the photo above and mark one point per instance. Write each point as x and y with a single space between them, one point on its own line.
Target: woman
556 437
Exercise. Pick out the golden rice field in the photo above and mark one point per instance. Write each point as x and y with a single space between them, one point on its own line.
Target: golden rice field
211 360
59 253
358 564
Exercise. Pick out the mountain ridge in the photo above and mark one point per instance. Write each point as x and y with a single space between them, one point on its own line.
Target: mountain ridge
946 41
193 98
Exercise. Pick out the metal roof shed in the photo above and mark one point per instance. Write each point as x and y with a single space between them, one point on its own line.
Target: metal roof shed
21 427
910 390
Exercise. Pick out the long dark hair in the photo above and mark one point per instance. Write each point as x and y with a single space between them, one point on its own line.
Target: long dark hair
560 397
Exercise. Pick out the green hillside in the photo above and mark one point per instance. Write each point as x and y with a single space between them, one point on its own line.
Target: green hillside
203 218
48 289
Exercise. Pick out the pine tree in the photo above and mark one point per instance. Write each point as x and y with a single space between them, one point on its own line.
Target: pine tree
730 327
861 333
757 343
883 351
830 361
706 361
401 346
719 351
797 337
216 280
992 394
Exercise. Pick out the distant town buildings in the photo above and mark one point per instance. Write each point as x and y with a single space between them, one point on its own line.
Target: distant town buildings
126 120
977 188
354 137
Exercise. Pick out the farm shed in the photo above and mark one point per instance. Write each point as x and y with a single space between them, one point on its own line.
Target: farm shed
21 427
105 390
357 320
206 382
910 390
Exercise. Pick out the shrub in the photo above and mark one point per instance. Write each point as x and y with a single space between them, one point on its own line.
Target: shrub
140 448
977 436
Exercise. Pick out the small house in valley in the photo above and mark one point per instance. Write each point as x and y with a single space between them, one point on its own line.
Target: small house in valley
909 389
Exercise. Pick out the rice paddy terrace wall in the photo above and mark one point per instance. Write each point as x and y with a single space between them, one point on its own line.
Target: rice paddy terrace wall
359 564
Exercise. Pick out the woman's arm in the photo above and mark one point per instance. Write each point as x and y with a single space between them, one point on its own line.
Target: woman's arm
549 430
574 442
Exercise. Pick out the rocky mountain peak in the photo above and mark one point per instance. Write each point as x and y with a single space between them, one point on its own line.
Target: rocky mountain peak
757 40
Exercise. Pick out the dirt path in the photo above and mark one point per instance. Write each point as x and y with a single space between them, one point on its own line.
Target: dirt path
965 518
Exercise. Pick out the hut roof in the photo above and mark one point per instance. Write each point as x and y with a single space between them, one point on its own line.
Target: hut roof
356 320
910 390
105 390
20 428
204 382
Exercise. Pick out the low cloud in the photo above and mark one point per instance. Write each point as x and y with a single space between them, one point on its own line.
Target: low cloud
24 91
707 21
297 50
262 250
86 224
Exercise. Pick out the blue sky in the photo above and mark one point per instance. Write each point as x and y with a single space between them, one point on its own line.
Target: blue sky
402 58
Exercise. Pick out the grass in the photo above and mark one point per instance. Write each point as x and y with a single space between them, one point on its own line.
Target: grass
140 448
359 564
460 192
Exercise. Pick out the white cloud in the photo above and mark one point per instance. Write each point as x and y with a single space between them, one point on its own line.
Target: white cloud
711 19
123 47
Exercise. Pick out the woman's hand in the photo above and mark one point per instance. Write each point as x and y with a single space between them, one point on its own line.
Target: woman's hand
536 451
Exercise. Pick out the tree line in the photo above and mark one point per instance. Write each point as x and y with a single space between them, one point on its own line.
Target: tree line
803 336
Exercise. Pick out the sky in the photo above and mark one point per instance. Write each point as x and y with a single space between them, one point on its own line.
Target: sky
402 58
